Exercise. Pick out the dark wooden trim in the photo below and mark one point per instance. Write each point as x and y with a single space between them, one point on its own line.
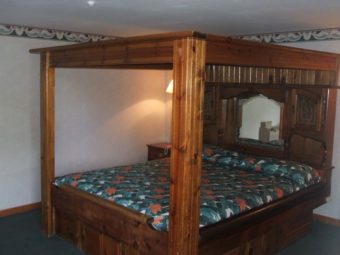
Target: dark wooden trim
272 86
131 54
20 209
187 132
249 43
47 81
314 196
155 49
82 195
123 224
245 53
236 231
326 220
284 219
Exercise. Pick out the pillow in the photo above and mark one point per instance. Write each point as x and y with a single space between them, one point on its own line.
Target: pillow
212 153
302 174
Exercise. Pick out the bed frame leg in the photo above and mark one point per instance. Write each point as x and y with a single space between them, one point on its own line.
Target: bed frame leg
47 81
187 128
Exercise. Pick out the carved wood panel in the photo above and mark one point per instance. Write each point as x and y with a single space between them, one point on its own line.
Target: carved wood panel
307 109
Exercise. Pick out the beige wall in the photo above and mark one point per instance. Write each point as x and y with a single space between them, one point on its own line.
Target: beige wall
104 118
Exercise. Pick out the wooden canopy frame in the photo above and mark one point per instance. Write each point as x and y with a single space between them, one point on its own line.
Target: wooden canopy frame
187 53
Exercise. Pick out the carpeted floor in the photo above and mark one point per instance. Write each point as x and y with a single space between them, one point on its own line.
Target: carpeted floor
324 240
20 235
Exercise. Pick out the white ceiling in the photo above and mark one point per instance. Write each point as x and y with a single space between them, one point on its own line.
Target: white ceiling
135 17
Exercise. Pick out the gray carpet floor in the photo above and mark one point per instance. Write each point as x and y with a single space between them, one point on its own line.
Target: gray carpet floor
324 240
20 235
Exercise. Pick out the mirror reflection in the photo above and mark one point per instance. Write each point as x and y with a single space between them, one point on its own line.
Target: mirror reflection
260 120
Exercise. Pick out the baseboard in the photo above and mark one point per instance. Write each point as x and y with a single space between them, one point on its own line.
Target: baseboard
20 209
326 220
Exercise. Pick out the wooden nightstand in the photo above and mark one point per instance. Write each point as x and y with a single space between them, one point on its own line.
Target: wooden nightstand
158 150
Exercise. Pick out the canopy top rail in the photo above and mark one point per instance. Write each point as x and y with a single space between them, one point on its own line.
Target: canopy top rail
156 52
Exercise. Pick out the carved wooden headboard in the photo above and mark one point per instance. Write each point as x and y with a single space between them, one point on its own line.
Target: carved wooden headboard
307 117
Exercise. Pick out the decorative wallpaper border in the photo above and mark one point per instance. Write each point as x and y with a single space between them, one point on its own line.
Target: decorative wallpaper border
297 36
60 35
50 34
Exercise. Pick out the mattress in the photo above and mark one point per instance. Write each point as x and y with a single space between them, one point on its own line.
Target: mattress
232 183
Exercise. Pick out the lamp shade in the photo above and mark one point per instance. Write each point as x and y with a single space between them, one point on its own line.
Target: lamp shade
170 87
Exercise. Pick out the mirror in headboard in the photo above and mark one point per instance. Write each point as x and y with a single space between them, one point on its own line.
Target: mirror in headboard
259 121
225 123
298 131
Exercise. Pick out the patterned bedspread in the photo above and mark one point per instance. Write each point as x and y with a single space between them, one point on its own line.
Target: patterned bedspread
231 183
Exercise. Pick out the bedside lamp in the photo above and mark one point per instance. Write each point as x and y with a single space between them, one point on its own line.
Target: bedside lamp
170 87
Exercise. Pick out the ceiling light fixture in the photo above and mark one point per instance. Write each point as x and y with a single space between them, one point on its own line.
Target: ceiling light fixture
90 3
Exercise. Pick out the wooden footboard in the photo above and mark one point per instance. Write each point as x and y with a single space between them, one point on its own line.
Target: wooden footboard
100 227
266 230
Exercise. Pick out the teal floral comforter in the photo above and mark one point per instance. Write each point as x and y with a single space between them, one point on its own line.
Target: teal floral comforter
231 183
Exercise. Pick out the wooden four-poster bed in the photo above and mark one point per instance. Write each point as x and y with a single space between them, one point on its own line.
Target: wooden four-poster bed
221 68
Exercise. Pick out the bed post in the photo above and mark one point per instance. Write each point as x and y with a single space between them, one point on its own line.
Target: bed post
187 126
47 142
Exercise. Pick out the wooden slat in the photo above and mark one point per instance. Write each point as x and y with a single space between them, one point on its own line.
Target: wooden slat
111 246
187 126
246 76
91 241
47 81
68 228
274 86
